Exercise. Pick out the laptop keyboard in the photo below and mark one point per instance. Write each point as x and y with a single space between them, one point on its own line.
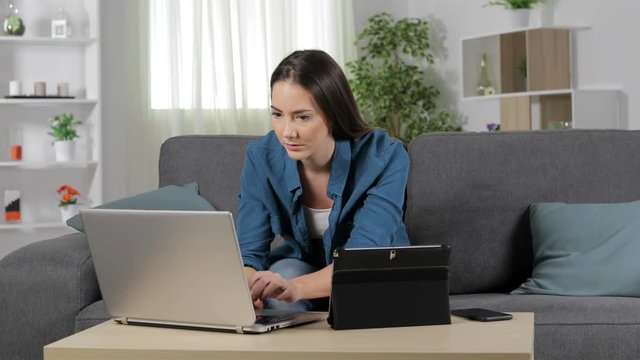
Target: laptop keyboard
271 319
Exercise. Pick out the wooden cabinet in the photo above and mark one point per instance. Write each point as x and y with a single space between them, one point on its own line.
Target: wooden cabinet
38 57
531 73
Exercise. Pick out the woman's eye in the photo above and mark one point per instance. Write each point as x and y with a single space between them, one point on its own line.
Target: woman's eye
276 115
304 117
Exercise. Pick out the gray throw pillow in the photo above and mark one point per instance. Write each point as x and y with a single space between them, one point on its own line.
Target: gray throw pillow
585 249
170 197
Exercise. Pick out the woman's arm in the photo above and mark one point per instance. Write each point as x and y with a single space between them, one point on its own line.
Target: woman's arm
253 225
267 284
377 221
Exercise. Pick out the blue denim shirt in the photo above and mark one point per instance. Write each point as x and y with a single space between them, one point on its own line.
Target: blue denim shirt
367 184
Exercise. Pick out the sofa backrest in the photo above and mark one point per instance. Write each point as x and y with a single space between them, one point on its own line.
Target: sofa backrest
468 190
213 161
472 191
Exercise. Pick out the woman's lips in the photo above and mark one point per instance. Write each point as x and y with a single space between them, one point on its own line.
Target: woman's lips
293 147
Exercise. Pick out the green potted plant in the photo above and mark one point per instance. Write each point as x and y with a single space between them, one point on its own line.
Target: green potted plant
63 130
515 4
388 79
520 9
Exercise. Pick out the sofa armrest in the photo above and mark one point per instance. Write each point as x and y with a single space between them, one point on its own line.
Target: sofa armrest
43 286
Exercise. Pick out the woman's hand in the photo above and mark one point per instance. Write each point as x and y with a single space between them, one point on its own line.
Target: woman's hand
267 284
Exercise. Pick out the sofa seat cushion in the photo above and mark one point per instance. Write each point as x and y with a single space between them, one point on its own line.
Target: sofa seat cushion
568 327
91 315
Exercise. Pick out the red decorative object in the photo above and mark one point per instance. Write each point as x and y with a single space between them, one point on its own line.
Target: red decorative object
16 152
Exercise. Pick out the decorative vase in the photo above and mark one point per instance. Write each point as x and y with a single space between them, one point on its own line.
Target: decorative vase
13 24
60 25
68 211
484 84
520 17
64 150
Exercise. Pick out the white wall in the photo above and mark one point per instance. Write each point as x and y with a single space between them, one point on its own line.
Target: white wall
114 102
363 9
606 55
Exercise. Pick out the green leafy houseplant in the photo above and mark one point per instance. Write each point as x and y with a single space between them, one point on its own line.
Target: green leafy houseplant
63 127
515 4
388 79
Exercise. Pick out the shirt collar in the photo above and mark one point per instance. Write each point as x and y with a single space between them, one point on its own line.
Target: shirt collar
339 169
291 172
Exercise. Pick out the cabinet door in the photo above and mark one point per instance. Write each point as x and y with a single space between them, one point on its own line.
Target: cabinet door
549 59
515 113
513 58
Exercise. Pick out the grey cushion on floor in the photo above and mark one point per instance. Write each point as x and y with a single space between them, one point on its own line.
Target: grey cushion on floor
571 327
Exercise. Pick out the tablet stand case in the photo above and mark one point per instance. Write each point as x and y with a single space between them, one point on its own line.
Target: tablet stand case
390 287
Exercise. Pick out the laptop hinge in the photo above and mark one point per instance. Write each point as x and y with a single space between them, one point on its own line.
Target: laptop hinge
239 330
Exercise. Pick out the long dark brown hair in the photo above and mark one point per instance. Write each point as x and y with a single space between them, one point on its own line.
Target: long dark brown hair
319 74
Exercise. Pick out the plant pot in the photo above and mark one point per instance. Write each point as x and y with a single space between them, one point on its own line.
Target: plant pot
64 150
520 17
542 15
68 211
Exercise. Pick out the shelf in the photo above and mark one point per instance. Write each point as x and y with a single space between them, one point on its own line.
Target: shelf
523 93
531 72
555 27
47 164
38 57
47 102
46 41
29 226
518 62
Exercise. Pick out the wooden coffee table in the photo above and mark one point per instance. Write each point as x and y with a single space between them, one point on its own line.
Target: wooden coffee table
463 339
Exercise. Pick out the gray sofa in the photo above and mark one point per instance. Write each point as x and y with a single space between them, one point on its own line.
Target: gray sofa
469 190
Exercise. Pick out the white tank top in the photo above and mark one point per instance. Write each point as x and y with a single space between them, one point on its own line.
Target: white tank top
317 221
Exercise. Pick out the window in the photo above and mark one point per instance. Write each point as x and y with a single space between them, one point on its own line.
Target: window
219 54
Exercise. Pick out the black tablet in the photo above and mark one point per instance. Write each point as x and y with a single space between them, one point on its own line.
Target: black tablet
389 287
389 257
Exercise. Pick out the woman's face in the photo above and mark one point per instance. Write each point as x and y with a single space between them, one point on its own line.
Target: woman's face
300 125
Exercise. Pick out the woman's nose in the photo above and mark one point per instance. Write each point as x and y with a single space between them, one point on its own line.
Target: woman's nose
289 129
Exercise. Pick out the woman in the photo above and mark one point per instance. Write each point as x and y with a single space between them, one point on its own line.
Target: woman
322 179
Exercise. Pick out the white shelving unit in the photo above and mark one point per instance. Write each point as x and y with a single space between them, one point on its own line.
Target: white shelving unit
48 102
532 73
48 165
38 57
46 40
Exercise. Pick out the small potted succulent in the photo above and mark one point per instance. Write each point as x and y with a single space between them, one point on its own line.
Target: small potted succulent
63 130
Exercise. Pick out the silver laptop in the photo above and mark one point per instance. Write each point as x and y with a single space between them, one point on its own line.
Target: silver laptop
176 269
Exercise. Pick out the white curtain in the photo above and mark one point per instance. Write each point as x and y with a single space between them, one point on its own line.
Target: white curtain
204 66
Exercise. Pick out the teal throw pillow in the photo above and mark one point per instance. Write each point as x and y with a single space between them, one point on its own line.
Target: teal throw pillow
585 250
170 197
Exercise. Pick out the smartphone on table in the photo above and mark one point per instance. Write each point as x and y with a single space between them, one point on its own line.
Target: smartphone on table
481 314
